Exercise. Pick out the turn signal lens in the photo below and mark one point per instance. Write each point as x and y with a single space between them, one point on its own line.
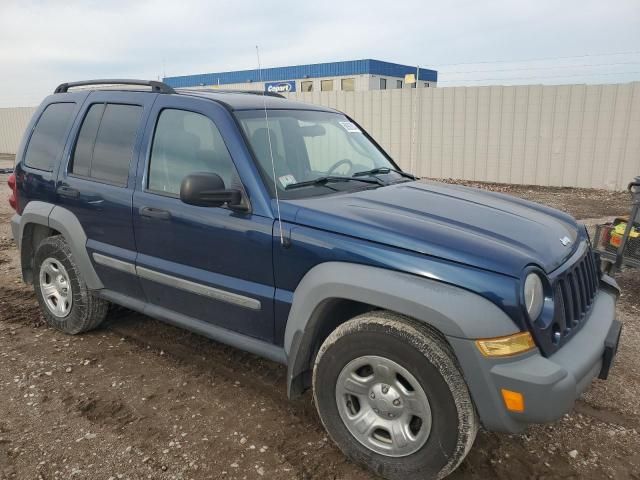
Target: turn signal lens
514 401
506 346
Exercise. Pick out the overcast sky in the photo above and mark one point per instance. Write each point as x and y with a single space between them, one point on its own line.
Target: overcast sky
43 43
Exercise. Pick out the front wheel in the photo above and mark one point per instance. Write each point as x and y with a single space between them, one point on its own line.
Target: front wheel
389 393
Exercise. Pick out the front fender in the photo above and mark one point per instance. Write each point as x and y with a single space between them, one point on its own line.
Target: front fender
453 311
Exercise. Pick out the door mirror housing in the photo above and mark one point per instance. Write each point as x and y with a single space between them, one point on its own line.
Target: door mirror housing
208 190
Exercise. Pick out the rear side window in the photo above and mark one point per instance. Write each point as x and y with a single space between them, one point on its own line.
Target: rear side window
49 135
105 143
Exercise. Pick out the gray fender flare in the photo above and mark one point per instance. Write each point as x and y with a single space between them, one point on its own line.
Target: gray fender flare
65 222
451 310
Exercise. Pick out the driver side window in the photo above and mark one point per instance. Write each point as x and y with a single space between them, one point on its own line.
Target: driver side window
327 149
185 143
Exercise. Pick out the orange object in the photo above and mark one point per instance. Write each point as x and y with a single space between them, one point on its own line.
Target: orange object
514 401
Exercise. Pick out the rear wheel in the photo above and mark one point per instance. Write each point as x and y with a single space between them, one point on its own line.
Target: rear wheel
66 302
389 393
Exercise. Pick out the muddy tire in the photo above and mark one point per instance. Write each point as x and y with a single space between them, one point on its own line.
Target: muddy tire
66 302
391 396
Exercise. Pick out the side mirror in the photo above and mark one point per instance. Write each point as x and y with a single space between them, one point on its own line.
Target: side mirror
208 190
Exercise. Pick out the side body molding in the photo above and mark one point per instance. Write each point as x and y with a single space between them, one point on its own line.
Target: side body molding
65 222
451 310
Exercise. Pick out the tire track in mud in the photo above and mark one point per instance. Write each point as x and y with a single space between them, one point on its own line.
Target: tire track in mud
264 379
300 442
19 306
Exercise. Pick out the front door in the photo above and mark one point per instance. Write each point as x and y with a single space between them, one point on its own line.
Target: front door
211 264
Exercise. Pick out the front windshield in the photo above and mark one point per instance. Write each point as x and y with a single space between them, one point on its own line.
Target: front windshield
308 145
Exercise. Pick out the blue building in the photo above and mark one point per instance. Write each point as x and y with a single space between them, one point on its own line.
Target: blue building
352 75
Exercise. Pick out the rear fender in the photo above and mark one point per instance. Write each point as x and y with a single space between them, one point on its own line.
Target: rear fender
61 220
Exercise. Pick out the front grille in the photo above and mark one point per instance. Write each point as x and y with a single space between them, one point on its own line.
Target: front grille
575 289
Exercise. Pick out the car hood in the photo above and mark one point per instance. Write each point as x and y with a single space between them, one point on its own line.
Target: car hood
476 227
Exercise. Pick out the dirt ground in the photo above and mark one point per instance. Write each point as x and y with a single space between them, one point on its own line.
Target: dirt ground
582 203
140 399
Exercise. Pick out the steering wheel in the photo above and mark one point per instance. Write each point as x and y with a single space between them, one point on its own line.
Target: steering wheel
339 163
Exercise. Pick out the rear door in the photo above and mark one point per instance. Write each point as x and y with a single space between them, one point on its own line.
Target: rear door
210 264
97 183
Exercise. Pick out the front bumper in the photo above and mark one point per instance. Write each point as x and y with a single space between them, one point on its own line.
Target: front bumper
550 385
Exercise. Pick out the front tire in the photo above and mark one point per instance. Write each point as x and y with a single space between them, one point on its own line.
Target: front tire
390 394
66 302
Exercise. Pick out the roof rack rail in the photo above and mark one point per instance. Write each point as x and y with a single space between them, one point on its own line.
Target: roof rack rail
223 90
159 87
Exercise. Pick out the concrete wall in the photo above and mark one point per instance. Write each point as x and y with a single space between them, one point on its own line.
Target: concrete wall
13 121
567 135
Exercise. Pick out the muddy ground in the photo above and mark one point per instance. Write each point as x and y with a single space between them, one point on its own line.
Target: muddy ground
140 399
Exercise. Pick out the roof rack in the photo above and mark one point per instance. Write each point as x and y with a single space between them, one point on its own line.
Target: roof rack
159 87
221 90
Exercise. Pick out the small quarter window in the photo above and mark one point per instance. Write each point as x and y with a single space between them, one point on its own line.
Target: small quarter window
49 136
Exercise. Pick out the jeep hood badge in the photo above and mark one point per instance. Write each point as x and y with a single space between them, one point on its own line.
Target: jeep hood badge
565 241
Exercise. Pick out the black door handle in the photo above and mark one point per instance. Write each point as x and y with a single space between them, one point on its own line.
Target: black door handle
157 213
68 192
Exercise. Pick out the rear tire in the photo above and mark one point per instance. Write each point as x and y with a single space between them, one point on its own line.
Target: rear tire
390 394
66 302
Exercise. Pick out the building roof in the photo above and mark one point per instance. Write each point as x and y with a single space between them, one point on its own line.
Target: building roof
314 70
251 100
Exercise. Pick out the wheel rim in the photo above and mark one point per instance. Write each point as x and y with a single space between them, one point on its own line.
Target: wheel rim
56 287
383 406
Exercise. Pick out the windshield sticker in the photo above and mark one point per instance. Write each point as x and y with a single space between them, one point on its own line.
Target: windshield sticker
350 127
286 180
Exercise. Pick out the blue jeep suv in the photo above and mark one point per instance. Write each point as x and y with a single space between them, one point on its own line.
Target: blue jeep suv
416 311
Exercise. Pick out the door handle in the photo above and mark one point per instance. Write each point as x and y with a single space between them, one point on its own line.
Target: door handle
68 192
156 213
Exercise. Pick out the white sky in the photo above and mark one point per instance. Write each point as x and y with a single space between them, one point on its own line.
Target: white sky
46 42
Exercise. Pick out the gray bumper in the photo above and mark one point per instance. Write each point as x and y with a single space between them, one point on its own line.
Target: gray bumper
15 228
550 385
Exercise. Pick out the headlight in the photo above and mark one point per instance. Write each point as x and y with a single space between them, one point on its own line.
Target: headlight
533 295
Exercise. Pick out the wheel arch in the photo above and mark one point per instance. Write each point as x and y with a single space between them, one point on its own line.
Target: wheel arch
333 292
40 220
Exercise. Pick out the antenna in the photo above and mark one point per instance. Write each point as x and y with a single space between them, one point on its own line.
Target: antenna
416 98
273 165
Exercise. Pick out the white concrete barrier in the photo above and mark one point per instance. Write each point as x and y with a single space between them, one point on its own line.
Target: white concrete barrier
555 135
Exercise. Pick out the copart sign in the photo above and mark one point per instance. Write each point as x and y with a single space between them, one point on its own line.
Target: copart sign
280 87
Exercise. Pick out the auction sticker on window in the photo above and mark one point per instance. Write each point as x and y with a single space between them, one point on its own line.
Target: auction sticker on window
286 180
350 127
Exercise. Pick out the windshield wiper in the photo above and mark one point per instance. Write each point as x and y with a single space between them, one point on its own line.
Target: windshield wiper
330 178
375 171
